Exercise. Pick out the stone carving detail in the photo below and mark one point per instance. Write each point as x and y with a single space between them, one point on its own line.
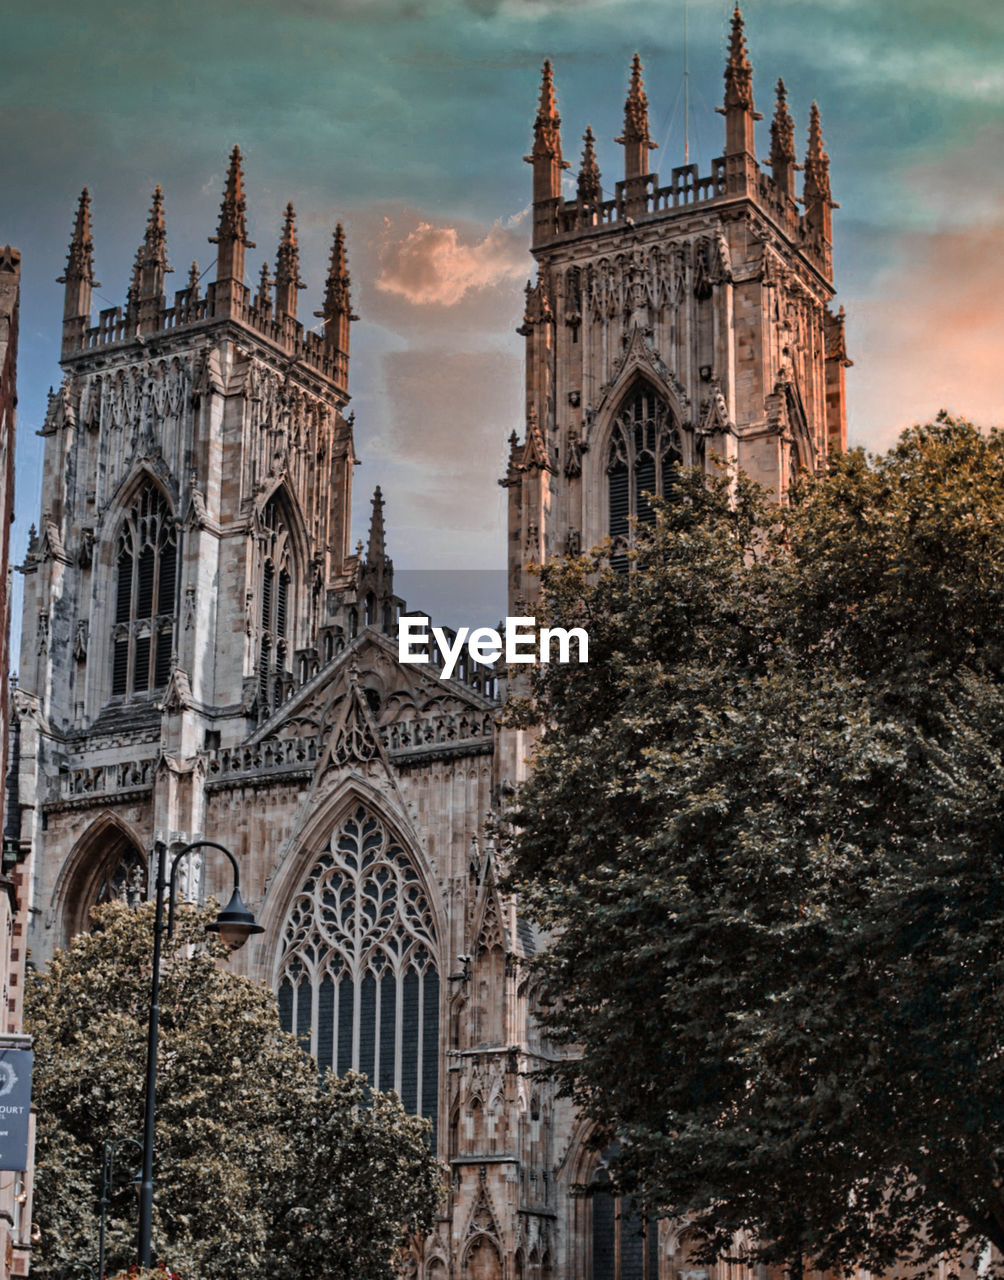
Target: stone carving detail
363 896
126 882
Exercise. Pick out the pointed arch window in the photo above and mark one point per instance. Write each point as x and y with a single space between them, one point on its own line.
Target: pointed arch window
146 567
358 982
645 449
623 1244
275 614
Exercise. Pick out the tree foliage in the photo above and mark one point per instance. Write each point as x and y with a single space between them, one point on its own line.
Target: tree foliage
263 1168
764 827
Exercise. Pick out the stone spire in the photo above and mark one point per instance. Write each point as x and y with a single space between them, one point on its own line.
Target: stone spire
132 293
376 550
738 110
193 282
546 157
590 186
287 268
153 262
816 193
636 142
782 145
231 237
337 312
263 298
79 275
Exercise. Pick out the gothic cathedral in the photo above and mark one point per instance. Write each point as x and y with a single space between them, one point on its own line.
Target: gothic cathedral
204 654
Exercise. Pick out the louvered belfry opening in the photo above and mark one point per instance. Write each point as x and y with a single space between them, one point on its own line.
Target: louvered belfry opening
147 565
644 450
275 611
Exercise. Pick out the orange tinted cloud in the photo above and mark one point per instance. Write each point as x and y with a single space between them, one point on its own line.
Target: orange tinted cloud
432 265
935 339
930 335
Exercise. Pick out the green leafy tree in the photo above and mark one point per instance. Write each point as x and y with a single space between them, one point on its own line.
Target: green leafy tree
764 829
263 1168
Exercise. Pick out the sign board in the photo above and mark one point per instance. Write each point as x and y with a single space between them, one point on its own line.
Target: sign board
15 1107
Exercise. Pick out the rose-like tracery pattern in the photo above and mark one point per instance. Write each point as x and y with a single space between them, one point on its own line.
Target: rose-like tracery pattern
359 983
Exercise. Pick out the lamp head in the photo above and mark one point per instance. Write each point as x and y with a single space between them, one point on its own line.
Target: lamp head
235 923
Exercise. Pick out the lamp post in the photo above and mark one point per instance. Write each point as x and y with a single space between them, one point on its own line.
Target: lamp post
235 924
107 1187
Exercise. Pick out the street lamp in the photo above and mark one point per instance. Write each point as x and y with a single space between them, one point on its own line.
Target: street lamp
235 924
107 1187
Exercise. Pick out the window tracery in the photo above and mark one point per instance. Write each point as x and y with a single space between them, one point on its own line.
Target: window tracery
645 448
359 983
146 561
126 880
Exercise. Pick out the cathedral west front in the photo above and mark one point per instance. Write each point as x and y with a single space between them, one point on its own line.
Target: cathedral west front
205 656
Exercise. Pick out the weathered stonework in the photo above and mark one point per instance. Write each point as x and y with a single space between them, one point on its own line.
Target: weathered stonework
712 293
203 655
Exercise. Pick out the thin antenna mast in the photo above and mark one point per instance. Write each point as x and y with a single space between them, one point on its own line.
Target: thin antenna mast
686 87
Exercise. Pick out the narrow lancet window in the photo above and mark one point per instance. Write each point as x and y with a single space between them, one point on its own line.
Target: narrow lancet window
146 565
644 452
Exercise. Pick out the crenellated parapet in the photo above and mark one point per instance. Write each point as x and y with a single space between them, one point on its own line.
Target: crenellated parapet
640 198
269 312
685 322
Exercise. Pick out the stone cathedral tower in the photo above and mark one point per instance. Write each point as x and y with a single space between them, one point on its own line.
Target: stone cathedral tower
204 655
687 322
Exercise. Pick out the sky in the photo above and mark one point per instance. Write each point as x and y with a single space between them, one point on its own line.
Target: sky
409 121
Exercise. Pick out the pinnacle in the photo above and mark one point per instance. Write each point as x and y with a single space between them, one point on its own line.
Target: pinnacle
547 126
154 249
233 222
590 188
337 296
376 550
287 267
738 69
737 43
782 130
816 150
80 261
548 104
636 108
817 162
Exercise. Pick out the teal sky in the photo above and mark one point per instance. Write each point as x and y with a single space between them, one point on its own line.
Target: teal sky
409 121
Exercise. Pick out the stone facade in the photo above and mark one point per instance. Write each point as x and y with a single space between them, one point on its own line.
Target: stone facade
689 321
204 656
15 1187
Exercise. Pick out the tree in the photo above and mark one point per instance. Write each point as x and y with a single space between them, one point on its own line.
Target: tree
763 828
263 1168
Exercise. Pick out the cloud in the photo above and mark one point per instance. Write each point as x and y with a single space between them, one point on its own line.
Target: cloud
932 338
928 334
433 266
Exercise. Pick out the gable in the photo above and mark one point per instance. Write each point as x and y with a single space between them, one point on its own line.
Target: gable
364 704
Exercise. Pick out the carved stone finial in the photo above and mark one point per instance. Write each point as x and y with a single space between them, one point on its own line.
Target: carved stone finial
817 162
80 260
233 211
635 138
738 69
337 294
263 298
287 266
590 186
376 552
